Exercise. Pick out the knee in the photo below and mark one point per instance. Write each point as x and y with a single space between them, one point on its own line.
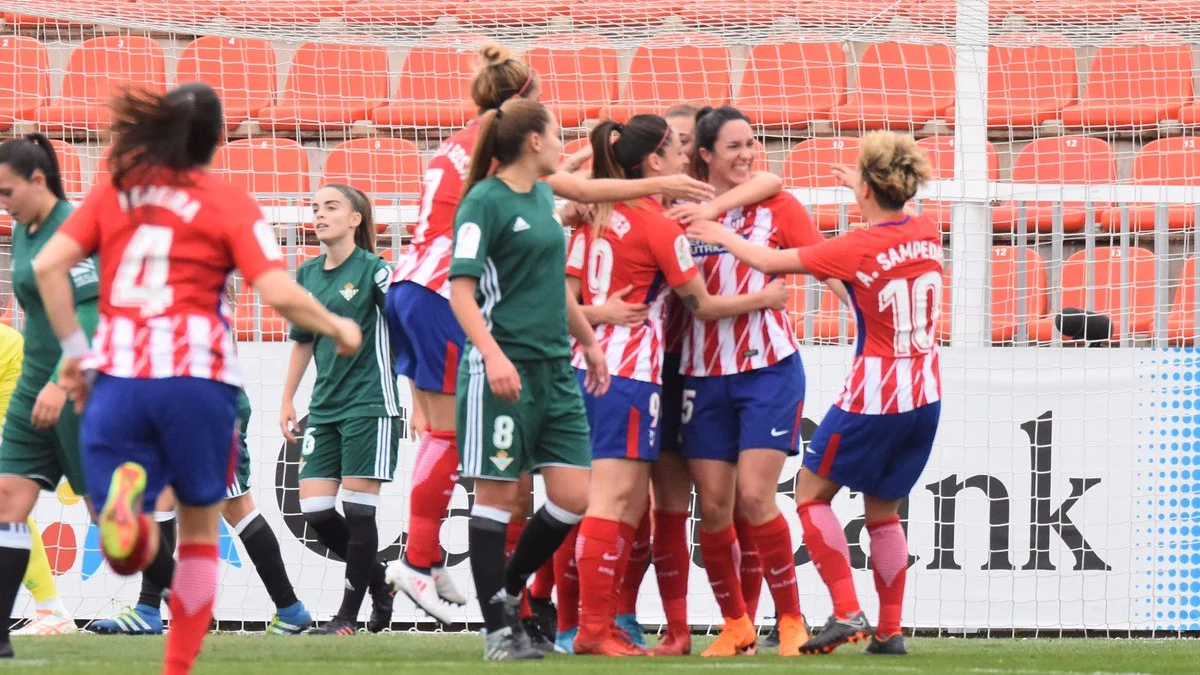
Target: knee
17 497
756 507
716 509
577 503
317 510
359 506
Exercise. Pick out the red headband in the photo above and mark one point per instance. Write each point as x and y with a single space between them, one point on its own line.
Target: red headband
662 141
528 81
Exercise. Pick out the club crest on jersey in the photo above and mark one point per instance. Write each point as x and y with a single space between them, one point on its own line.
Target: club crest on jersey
348 292
520 225
619 224
502 460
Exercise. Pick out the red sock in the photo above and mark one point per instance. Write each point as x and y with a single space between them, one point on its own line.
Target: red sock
543 581
750 569
830 554
717 551
434 476
889 560
774 541
672 565
193 592
598 555
635 571
566 583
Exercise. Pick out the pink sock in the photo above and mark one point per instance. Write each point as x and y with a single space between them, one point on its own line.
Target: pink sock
889 560
193 592
830 554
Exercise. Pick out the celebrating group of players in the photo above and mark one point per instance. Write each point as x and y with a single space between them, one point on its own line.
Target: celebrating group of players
646 361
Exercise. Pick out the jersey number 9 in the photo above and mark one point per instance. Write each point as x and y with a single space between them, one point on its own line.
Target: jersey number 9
141 279
599 271
916 307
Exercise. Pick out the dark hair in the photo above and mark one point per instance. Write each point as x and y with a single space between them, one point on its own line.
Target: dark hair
620 151
32 153
709 122
177 131
502 134
500 77
364 236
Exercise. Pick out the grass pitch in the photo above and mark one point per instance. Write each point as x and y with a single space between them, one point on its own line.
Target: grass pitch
392 653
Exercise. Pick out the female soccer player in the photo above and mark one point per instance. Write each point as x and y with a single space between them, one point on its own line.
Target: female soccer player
163 405
41 435
353 433
632 245
428 342
877 437
519 404
743 395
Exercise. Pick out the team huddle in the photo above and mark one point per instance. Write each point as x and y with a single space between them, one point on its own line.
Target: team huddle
648 358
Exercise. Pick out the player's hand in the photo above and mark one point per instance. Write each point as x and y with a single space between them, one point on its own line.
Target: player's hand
597 380
574 214
416 423
48 406
287 421
847 175
347 335
687 212
775 295
71 379
682 186
621 313
503 378
707 231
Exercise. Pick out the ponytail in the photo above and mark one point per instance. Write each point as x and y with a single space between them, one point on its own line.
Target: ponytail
177 131
502 135
621 151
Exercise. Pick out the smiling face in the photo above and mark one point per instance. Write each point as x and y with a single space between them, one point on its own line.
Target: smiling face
731 159
333 216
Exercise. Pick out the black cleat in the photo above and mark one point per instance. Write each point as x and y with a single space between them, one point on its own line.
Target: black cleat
383 596
838 632
537 639
6 650
893 646
335 626
545 618
509 645
772 639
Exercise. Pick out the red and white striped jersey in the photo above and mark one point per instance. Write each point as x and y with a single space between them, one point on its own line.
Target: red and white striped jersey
641 248
893 272
761 338
166 251
427 260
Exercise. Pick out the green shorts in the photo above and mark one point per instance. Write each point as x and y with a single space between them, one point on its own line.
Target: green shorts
356 447
548 426
241 473
42 455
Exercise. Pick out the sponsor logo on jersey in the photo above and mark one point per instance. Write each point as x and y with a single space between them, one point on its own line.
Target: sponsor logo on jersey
84 273
502 460
348 292
520 225
466 241
619 224
683 253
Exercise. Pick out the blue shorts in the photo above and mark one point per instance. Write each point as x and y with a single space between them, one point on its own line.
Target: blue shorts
724 415
878 455
426 338
182 430
670 429
624 420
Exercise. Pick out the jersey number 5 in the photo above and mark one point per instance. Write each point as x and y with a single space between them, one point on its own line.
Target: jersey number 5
141 279
916 307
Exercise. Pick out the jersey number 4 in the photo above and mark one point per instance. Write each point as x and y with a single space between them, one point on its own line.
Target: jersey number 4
916 307
141 279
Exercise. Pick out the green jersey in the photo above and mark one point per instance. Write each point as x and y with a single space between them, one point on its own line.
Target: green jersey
513 243
363 385
42 352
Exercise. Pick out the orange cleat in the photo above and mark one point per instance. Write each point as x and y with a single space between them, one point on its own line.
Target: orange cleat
674 643
605 643
738 638
792 634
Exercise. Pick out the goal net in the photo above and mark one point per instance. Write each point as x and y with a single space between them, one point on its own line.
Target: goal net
1058 498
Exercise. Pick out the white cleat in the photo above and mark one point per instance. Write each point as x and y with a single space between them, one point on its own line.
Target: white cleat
420 588
446 589
47 624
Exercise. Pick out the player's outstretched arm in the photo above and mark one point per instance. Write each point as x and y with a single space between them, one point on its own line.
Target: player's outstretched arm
707 307
764 259
762 185
297 306
594 191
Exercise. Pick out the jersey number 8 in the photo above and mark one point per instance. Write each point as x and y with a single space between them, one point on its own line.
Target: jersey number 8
915 311
141 279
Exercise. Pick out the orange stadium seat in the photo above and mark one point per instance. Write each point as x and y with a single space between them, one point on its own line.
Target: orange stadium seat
96 69
796 302
900 85
578 75
1031 78
809 165
942 13
571 147
823 13
1106 290
396 12
506 13
1181 321
266 167
1166 161
241 70
1086 12
169 11
385 168
1015 303
434 88
279 12
675 68
9 311
1168 11
255 321
24 78
832 316
940 152
1138 80
306 253
330 85
620 12
69 167
1064 160
732 13
787 84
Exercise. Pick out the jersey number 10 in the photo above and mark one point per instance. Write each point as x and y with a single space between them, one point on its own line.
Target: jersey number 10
916 307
